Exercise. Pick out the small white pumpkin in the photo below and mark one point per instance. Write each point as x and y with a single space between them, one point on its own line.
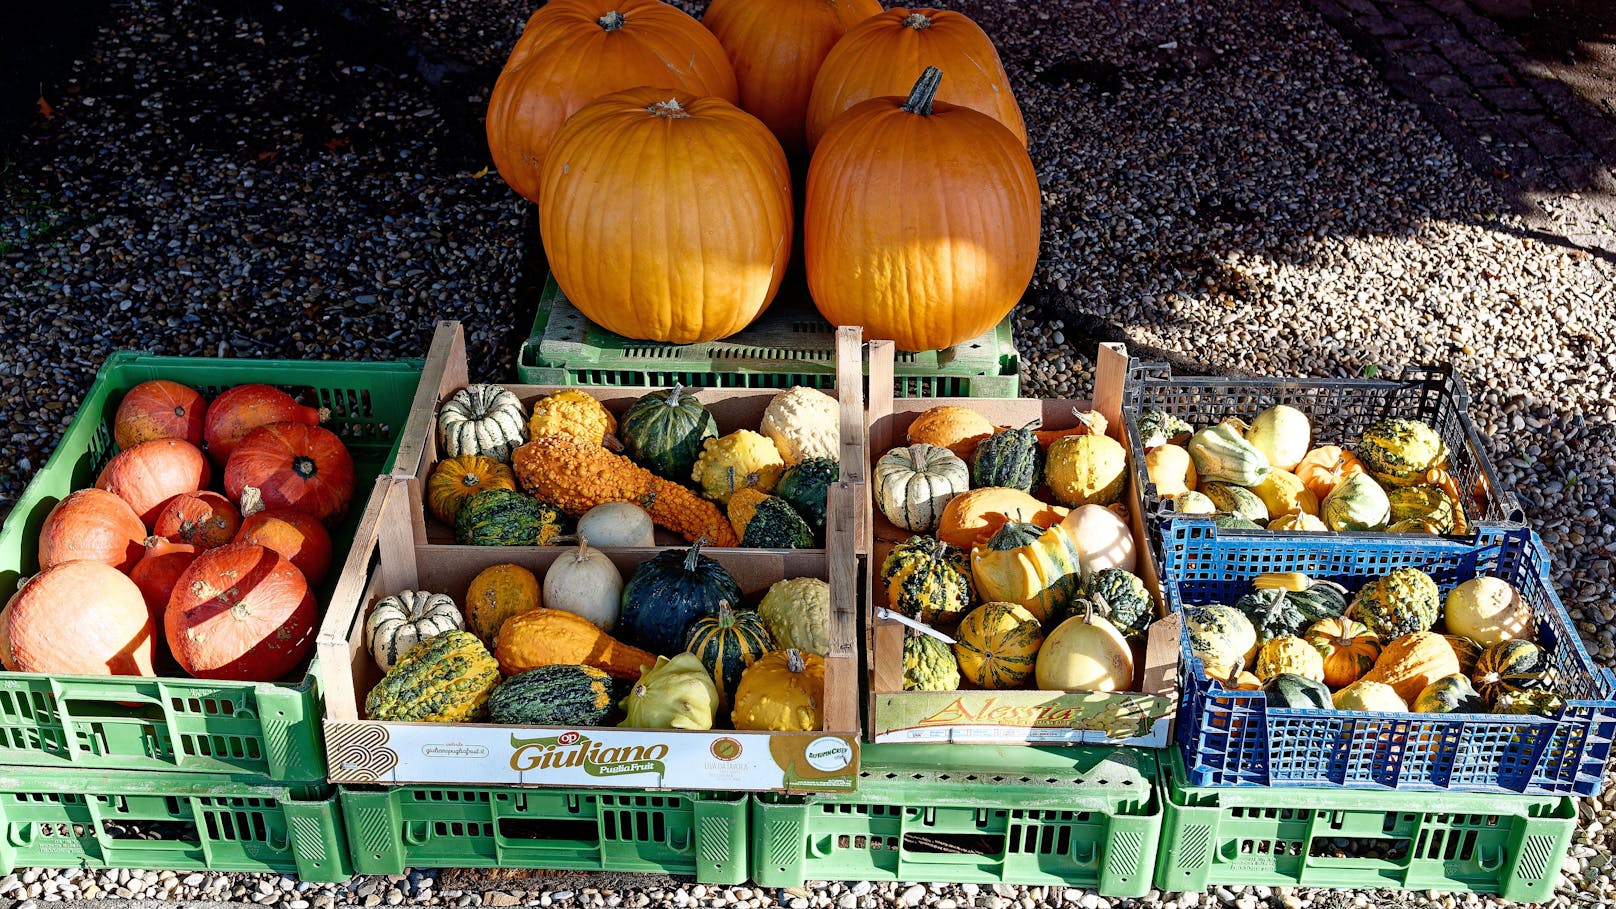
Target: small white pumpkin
483 420
403 620
804 423
585 583
1103 539
1085 653
1283 434
1488 611
913 484
617 524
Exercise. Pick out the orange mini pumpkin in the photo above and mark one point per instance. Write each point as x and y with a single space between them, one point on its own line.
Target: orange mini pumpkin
1326 467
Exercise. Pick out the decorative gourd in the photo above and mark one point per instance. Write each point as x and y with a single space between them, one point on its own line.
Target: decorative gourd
1283 434
1120 596
486 420
728 643
1488 610
573 52
1289 654
997 646
405 619
1194 502
80 618
240 612
1289 691
1326 467
1171 470
666 595
1373 697
1403 602
617 524
1414 525
158 571
1348 647
570 412
545 637
1279 612
928 664
557 695
151 473
1235 522
863 264
664 431
1423 504
1011 459
503 517
291 465
777 48
971 518
1400 452
805 486
1449 694
576 477
584 582
1086 470
1282 493
159 409
204 519
1236 500
914 484
238 411
497 593
1085 653
672 694
928 580
300 539
1301 522
1028 565
92 524
1102 538
775 525
1222 455
781 692
447 678
1413 661
804 423
880 56
1234 678
741 460
1533 701
1509 667
797 613
1158 428
1466 650
1220 636
455 480
740 508
958 429
1357 503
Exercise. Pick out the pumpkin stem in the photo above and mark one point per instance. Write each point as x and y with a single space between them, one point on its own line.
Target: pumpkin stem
252 501
693 557
670 109
925 90
794 660
304 466
674 394
611 22
917 21
583 549
726 615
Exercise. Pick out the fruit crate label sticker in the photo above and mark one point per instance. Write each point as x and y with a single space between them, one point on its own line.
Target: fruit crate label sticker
1140 720
510 755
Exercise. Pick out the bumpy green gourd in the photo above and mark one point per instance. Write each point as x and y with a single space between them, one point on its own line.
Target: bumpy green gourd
929 580
928 664
1404 602
776 525
557 695
805 486
1426 504
504 517
1120 596
1399 452
1011 459
446 678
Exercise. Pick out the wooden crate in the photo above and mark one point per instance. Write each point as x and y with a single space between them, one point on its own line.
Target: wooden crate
1140 718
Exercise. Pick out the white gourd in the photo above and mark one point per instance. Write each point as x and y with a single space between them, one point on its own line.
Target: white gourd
617 524
484 420
914 483
1103 539
1085 653
804 423
403 620
585 583
1283 434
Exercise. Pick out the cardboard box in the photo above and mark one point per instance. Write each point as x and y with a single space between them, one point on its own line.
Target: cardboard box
1140 718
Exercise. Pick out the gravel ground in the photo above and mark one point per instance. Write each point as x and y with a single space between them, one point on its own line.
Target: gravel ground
1223 180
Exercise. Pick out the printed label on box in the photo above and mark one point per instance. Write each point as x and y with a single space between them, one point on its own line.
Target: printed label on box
1014 717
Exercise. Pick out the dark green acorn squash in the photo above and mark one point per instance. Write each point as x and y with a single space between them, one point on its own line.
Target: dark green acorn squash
666 596
663 432
504 517
805 486
728 643
1279 612
558 695
1012 459
1450 694
1297 692
1120 596
776 525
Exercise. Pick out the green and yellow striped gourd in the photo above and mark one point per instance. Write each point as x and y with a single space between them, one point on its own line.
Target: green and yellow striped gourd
447 678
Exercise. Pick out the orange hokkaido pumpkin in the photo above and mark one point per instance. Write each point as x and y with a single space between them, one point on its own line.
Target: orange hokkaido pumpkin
159 409
290 465
158 571
667 217
921 220
776 47
151 473
574 51
204 519
239 411
299 538
92 524
884 55
81 618
240 612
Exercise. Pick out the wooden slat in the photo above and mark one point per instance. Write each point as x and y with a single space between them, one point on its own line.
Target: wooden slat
850 390
1110 377
841 567
445 368
885 638
343 618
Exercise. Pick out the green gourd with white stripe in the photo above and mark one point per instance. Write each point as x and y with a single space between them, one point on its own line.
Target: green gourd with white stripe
726 644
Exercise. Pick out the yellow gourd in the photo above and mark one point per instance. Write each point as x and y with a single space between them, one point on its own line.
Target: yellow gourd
496 594
1412 662
1371 696
1171 469
1289 654
455 480
571 412
1283 493
1086 470
743 459
1488 610
781 692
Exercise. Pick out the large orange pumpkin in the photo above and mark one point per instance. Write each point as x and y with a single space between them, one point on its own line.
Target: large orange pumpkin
575 51
151 473
300 538
884 55
80 618
290 465
776 47
921 220
240 612
92 524
158 571
159 409
667 217
242 409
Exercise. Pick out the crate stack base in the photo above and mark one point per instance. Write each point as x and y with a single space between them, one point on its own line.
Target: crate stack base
1075 817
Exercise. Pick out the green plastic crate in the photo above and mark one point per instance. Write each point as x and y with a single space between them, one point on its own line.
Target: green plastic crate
1507 845
791 344
600 830
174 723
1075 817
181 822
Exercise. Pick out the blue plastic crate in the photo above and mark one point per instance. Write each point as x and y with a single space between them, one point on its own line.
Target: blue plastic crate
1233 738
